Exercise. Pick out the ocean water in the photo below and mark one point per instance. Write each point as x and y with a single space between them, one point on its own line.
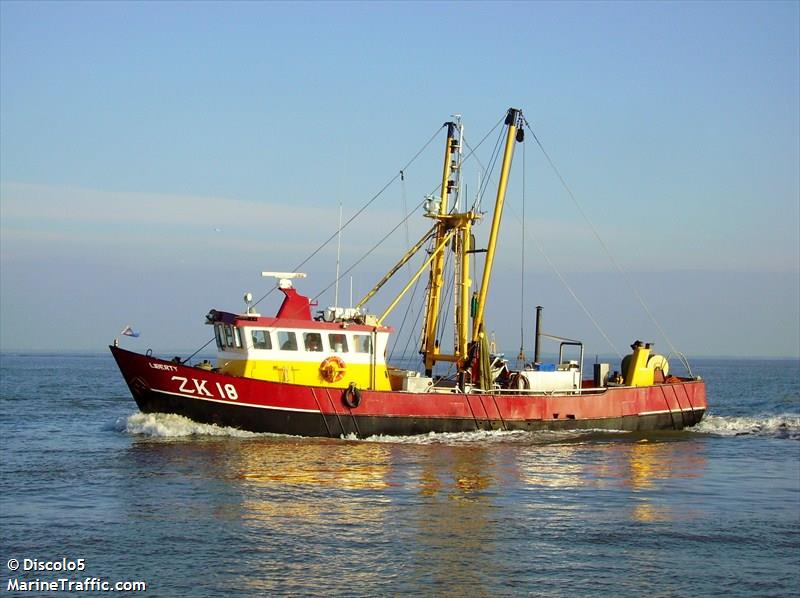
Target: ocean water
198 510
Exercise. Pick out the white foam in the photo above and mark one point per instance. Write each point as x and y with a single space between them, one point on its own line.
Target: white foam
169 425
783 426
474 437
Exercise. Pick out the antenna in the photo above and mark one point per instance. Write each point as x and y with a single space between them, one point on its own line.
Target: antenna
338 256
478 193
284 278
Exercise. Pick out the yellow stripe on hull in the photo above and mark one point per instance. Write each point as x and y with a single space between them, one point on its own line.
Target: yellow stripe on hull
306 373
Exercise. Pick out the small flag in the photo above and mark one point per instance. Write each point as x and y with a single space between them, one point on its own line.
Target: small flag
128 331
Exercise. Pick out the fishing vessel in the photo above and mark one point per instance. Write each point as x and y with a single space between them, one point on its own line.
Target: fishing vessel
327 373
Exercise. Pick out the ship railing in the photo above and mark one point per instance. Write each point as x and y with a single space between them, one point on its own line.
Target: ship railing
551 393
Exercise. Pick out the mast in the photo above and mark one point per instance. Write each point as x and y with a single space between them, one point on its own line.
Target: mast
452 231
430 343
464 286
461 263
513 122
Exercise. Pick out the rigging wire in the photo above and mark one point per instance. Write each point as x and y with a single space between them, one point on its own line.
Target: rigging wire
521 355
414 327
338 232
409 271
445 309
359 211
211 340
405 209
472 151
405 316
492 163
602 243
401 174
369 251
404 354
567 285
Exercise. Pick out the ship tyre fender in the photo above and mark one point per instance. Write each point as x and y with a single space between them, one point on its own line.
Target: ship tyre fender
351 396
332 369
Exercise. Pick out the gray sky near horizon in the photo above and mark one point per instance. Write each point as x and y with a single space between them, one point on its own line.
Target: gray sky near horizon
156 157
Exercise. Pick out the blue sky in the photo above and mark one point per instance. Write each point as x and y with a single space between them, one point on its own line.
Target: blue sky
155 157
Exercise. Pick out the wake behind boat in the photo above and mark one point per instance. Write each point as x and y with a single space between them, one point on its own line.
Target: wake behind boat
327 374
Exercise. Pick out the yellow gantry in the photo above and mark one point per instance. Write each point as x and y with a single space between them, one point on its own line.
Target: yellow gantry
436 253
461 225
456 226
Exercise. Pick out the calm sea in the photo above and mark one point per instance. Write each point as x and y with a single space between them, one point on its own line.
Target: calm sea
202 511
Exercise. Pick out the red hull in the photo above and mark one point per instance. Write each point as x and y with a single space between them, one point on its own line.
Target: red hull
261 406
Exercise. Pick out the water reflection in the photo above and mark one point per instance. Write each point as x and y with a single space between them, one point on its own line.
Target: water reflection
553 466
314 482
454 520
346 466
652 464
644 466
309 504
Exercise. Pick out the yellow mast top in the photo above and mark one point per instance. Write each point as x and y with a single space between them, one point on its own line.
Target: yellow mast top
513 122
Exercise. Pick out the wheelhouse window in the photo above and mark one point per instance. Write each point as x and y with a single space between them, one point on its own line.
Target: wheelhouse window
227 336
287 340
338 342
312 341
261 339
363 343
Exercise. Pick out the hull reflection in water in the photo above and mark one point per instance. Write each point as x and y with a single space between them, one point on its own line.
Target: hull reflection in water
455 496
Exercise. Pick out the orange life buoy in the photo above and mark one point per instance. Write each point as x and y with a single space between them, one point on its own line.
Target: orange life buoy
332 369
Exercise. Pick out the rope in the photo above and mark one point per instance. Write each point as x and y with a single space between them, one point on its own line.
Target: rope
603 245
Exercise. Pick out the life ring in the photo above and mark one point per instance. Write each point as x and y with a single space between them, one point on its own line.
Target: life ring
332 369
351 396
